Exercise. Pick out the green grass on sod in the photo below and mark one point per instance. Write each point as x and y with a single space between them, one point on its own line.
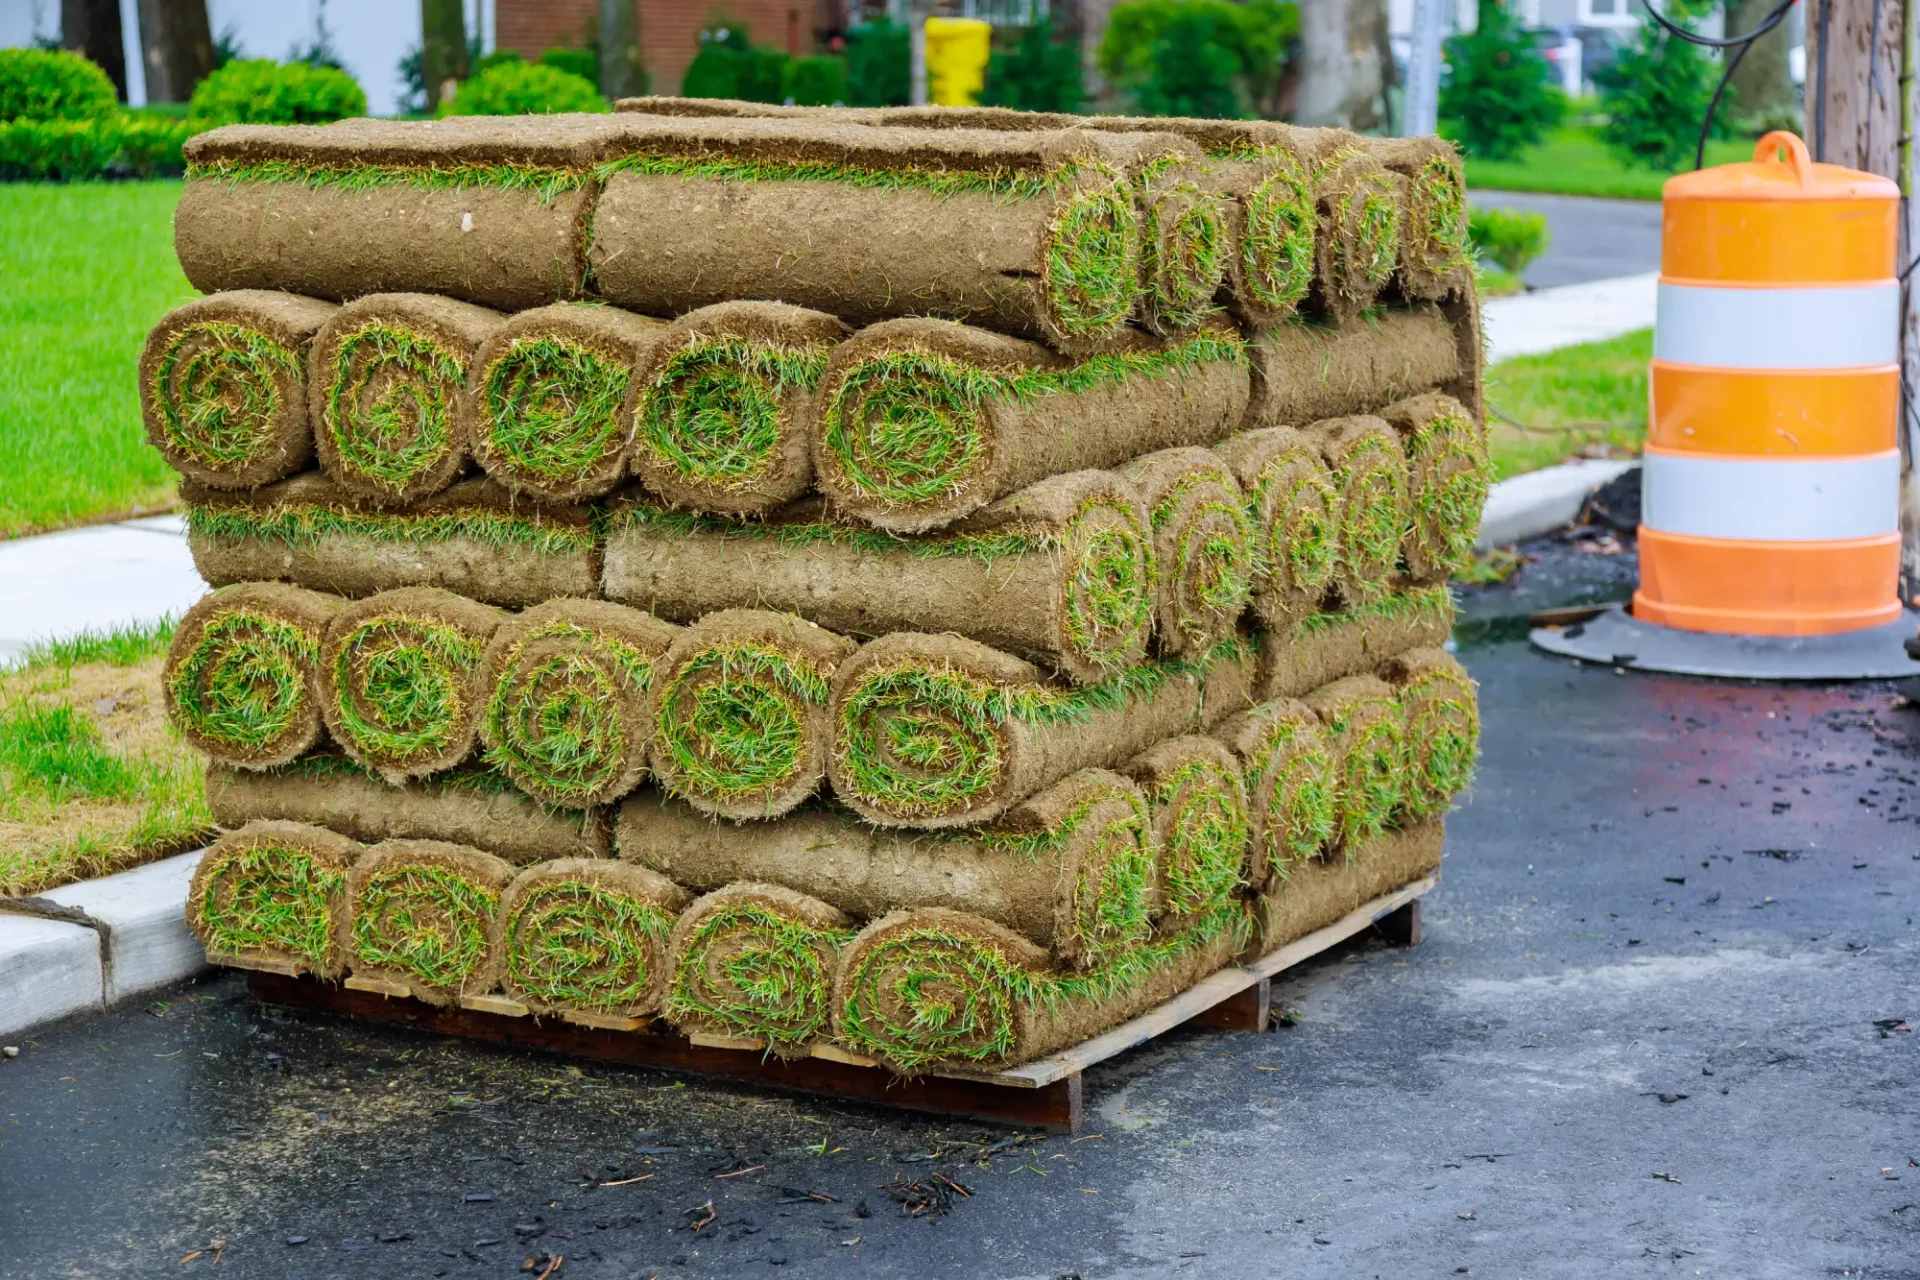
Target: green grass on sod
1578 400
87 268
1574 162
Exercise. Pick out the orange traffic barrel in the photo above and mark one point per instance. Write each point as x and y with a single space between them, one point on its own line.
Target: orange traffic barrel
1771 483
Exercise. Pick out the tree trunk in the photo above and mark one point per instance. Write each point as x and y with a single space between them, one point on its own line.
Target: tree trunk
443 46
621 73
1762 86
91 28
177 47
1342 64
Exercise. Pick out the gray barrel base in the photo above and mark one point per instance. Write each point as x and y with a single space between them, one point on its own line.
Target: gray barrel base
1620 640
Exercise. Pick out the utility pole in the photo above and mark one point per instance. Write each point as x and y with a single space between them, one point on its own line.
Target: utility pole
1421 113
917 51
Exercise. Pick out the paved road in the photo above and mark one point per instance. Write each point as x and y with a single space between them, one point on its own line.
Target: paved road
1591 239
1640 1040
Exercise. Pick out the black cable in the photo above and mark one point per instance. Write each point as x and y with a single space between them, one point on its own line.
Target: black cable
1739 44
1820 83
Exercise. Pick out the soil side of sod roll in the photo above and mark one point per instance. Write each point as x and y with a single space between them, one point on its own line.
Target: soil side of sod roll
725 407
1369 469
567 715
583 935
274 891
242 676
1061 573
477 539
926 421
937 731
1324 647
223 386
1440 713
1321 890
1070 869
490 210
420 913
1294 510
1197 796
1288 764
388 372
1303 372
752 959
1203 545
1449 473
467 806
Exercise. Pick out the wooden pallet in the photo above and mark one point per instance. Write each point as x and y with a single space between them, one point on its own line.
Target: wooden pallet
1043 1094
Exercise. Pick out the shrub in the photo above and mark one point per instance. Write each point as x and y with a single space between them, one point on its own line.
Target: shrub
524 88
815 82
1499 97
1512 239
1035 72
579 62
1197 57
877 70
1654 96
729 66
52 84
70 150
258 91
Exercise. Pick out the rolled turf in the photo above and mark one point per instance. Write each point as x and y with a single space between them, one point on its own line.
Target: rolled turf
584 935
1369 469
1440 722
388 371
1030 234
925 421
399 679
1448 475
1197 796
1361 207
545 415
1288 765
1366 734
567 715
739 708
934 731
1071 869
1434 258
725 407
1303 372
1294 510
470 806
1320 891
274 892
223 386
476 539
1062 572
1185 247
490 210
1323 647
756 960
420 913
242 674
1203 545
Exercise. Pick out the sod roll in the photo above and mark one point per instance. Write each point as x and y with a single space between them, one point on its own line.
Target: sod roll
1369 469
273 892
388 372
725 406
1434 258
399 679
1202 543
1061 573
1366 734
1294 510
420 913
476 539
223 386
1323 647
241 677
1197 796
567 715
924 421
1448 475
584 935
934 731
488 209
1070 869
1185 247
1361 206
470 806
1440 724
545 412
1320 891
1288 765
756 960
1304 372
1030 234
739 708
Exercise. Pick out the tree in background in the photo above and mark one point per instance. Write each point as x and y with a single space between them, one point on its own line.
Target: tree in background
1656 93
444 54
1763 89
91 28
1033 71
731 66
1499 97
1197 57
176 44
622 73
1345 64
877 71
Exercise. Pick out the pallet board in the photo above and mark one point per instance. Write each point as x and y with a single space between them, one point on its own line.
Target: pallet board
1043 1094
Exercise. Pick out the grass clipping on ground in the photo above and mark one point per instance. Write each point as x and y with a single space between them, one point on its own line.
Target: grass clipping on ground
93 779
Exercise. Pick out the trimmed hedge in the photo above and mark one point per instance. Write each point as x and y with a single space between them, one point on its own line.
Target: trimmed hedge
66 150
524 88
259 91
52 84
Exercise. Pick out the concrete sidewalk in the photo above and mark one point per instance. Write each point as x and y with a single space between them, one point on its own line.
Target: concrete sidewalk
59 585
1548 319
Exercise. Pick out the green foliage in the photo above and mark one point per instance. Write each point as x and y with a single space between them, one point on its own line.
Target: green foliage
1499 95
499 58
1654 96
56 750
52 84
259 91
1510 237
1033 71
575 62
524 88
730 66
815 81
70 150
121 647
1198 57
1574 161
877 70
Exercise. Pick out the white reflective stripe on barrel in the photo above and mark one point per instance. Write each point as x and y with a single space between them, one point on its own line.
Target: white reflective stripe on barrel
1761 500
1841 327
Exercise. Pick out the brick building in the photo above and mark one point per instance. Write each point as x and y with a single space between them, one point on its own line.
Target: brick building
669 29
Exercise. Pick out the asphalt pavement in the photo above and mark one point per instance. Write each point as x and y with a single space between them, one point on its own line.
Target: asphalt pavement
1590 239
1660 1026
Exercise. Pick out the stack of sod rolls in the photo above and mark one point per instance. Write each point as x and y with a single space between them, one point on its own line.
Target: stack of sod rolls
916 586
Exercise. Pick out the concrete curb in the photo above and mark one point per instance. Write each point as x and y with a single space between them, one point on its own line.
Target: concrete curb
90 945
1541 501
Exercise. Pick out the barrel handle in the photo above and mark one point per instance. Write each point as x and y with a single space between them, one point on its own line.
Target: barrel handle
1771 144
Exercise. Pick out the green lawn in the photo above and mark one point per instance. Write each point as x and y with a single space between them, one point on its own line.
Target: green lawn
1573 162
1589 399
88 269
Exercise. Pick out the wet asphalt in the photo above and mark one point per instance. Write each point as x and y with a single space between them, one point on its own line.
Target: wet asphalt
1659 1025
